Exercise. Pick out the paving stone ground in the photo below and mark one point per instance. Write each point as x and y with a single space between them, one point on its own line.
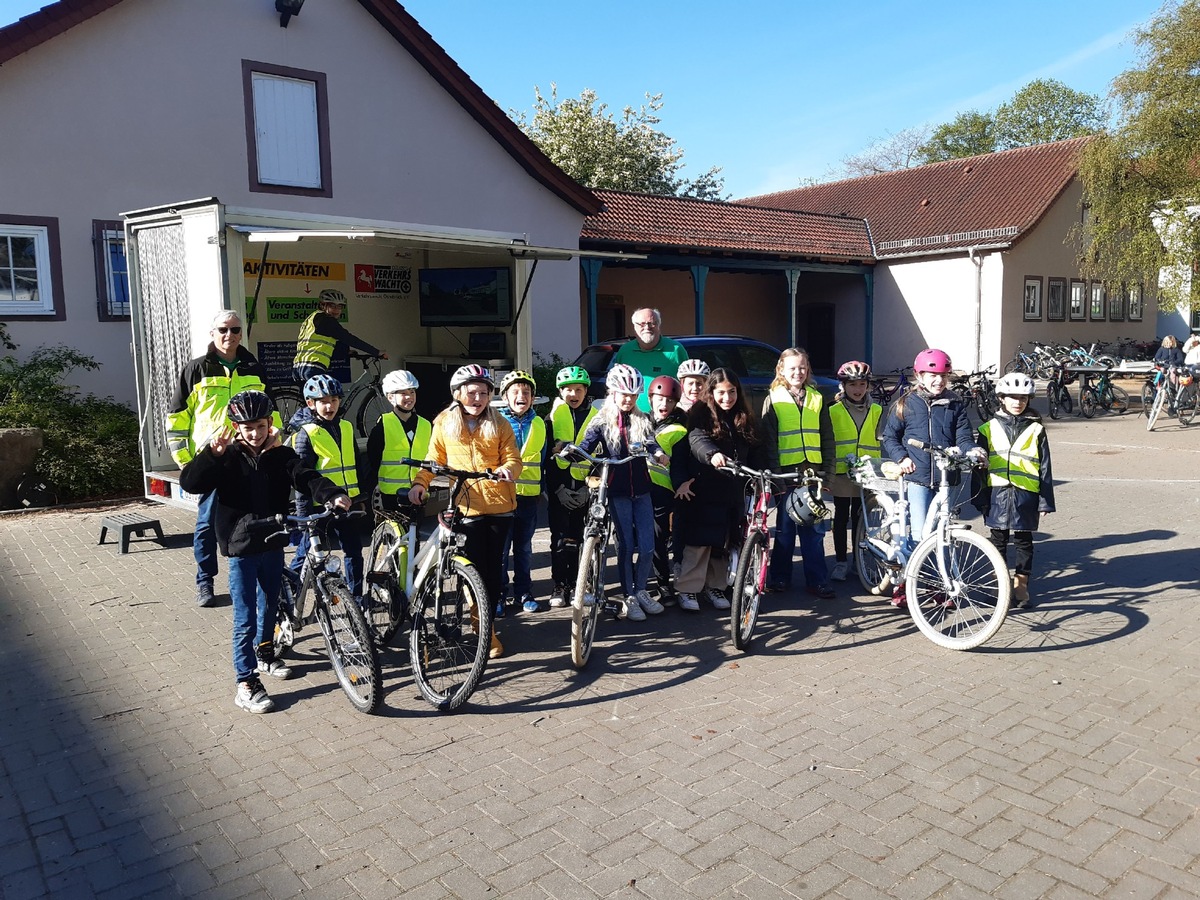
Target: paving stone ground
847 756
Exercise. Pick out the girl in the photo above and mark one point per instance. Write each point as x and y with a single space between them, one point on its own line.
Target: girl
856 424
470 435
721 430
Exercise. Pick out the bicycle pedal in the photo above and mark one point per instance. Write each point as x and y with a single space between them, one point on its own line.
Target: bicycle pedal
613 607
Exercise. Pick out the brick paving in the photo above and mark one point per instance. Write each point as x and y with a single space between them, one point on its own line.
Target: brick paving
846 757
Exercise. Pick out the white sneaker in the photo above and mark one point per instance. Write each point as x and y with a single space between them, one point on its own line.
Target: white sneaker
252 697
558 599
840 570
689 602
633 610
648 603
718 599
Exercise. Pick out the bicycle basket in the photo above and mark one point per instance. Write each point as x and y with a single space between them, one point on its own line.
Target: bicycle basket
876 474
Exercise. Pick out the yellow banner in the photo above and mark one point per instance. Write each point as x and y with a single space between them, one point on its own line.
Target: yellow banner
295 269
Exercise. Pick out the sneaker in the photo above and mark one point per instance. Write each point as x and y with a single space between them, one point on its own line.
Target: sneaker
899 598
648 603
840 571
252 697
500 604
269 663
821 592
204 594
497 649
633 610
689 602
558 597
529 604
717 598
667 596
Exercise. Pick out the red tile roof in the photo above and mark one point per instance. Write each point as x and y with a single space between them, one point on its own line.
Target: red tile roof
686 224
995 198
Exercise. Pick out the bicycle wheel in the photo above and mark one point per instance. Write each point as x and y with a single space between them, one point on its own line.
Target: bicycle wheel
451 635
384 595
1065 403
588 598
35 493
1114 399
1089 402
973 608
287 399
747 589
1052 397
1160 400
1189 399
286 622
1147 397
372 409
872 573
348 639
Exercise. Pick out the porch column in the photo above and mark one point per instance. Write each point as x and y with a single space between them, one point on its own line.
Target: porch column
793 276
591 281
869 318
699 277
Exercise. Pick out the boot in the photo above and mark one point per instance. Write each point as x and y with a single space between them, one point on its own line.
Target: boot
497 649
1021 590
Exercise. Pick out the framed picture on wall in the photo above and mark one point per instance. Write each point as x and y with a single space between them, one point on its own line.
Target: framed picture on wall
1096 309
1033 298
1078 300
1116 305
1133 306
1056 299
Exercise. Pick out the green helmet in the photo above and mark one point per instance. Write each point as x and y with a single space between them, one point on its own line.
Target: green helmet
516 377
572 375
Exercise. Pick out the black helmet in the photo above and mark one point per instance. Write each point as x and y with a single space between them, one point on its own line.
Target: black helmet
806 507
249 406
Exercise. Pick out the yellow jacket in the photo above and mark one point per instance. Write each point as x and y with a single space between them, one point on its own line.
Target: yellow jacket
475 453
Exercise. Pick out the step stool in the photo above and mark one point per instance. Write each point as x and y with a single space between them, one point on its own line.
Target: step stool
129 523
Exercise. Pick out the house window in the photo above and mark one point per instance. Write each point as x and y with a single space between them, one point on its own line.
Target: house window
1096 310
1033 298
1078 300
1116 305
112 272
287 130
30 268
1056 300
1133 308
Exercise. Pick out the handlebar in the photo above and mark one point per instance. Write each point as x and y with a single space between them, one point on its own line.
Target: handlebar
438 469
570 450
279 521
734 468
950 456
363 357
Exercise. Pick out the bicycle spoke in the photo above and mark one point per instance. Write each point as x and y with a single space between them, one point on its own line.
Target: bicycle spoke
968 609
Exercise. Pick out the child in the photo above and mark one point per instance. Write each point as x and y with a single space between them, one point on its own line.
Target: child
401 434
253 475
693 375
721 431
797 436
470 435
931 414
326 443
619 427
1019 485
566 492
856 424
670 426
517 392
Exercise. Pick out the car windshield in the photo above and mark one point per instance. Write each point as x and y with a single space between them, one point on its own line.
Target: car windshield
718 356
595 359
759 361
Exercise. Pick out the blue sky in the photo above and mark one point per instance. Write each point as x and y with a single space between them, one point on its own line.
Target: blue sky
774 92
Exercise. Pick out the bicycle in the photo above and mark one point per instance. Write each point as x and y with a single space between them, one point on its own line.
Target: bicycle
343 626
977 388
956 583
438 591
1057 395
1111 397
1175 389
1026 363
364 396
885 392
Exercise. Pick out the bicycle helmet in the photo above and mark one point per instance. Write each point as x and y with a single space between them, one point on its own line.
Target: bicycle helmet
250 406
624 379
1015 384
516 376
665 386
572 375
466 374
932 361
322 386
854 371
693 368
332 296
400 380
806 507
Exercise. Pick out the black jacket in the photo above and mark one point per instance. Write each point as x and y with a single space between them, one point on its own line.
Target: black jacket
941 421
1008 507
712 516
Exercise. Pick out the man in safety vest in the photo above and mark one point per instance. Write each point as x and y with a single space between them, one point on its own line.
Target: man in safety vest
198 413
327 444
670 427
517 390
319 336
566 491
398 435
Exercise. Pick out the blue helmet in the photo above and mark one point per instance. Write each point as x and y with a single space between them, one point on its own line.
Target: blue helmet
322 386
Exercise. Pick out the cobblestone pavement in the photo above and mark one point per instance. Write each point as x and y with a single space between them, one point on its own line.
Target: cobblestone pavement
846 757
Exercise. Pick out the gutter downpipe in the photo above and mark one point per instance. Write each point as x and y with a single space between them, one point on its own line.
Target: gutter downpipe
977 260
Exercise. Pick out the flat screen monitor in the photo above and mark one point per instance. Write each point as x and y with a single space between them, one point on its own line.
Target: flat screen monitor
465 297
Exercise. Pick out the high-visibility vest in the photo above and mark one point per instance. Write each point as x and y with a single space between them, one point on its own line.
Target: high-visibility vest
207 413
667 437
564 430
1017 463
530 482
335 459
394 476
849 438
799 428
313 349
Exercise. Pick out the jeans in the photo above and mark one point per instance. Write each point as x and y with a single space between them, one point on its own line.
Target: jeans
919 497
254 586
634 521
812 549
349 539
520 544
204 541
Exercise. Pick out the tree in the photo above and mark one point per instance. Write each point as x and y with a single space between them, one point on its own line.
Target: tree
587 142
1046 110
896 151
970 134
1141 179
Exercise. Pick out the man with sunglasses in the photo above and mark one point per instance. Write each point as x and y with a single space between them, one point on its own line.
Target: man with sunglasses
198 413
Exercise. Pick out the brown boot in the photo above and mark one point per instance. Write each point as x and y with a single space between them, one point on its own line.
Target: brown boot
497 650
1021 591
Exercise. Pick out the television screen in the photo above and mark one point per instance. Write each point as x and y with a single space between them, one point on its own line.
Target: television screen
479 296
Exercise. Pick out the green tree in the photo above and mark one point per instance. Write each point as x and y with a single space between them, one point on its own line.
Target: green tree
583 138
970 134
1046 110
1141 178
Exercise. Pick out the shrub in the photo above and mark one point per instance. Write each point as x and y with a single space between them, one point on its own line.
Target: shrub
545 367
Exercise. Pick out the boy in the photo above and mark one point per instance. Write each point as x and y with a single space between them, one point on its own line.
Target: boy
1019 487
565 487
326 443
402 434
693 375
517 392
670 426
253 474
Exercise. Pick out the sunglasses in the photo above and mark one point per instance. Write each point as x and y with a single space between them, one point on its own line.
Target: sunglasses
226 329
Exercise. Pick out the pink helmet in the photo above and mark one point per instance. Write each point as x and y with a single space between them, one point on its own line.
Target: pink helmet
932 361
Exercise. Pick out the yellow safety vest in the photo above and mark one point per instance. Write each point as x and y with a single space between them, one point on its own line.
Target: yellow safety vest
667 438
395 477
799 429
207 413
335 459
848 438
313 349
1017 463
564 430
530 482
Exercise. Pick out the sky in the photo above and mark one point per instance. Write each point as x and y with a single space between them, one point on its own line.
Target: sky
776 92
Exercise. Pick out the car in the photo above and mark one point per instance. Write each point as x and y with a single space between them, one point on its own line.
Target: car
753 361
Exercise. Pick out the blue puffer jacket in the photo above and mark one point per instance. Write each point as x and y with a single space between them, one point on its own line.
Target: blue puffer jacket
941 421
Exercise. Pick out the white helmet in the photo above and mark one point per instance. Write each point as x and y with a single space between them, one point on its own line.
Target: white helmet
471 372
400 380
625 379
693 368
1015 384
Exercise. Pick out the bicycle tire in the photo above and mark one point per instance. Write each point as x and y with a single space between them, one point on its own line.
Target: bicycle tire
1160 400
1147 398
1016 364
1089 402
287 399
1052 396
981 580
286 623
589 584
372 410
1065 403
450 637
873 575
1115 399
1185 406
351 648
35 493
384 597
744 599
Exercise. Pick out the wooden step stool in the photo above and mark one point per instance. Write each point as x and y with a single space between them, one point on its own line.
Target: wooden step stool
129 523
